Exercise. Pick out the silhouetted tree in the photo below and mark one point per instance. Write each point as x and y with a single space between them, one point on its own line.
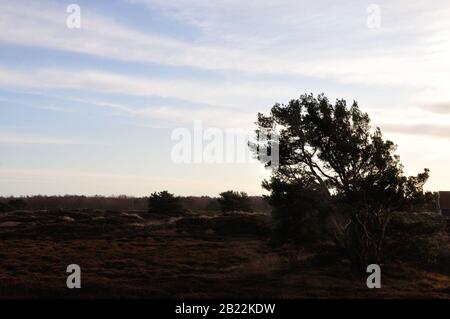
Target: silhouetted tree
164 203
234 201
331 162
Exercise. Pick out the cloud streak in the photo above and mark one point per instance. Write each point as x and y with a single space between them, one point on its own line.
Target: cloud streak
16 139
200 92
242 58
104 37
439 108
427 129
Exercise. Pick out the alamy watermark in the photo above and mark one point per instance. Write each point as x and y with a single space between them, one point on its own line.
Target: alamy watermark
210 145
374 18
74 279
73 20
374 279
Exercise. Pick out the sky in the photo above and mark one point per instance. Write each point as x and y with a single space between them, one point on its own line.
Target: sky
90 105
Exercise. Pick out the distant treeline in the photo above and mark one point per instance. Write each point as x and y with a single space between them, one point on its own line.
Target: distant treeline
194 203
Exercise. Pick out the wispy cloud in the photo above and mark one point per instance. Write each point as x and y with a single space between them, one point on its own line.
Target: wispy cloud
212 96
14 138
104 37
366 64
213 116
439 108
255 53
427 129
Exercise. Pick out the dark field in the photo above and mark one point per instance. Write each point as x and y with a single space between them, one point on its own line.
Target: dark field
137 255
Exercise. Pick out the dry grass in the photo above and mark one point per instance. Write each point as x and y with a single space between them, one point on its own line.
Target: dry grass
133 256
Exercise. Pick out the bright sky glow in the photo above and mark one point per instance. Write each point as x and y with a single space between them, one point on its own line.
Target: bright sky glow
91 110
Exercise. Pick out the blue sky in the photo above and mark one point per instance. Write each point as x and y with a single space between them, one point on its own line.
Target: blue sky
92 110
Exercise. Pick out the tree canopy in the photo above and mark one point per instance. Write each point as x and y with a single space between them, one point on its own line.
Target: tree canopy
329 155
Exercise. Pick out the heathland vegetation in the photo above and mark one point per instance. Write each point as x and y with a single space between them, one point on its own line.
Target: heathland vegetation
338 201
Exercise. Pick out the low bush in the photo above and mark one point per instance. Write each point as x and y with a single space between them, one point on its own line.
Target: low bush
416 237
4 207
164 203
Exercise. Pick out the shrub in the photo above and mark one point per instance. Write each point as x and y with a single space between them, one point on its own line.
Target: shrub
416 237
298 213
4 207
17 203
164 203
234 201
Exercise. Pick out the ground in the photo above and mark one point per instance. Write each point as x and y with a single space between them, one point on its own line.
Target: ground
137 255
